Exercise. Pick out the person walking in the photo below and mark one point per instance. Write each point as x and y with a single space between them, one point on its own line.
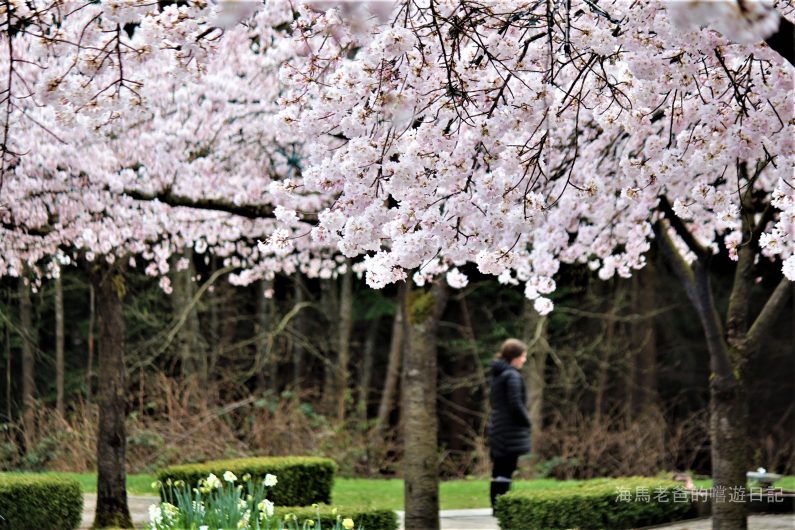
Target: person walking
509 421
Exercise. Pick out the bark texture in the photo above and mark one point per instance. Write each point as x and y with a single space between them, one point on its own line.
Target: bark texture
422 310
112 510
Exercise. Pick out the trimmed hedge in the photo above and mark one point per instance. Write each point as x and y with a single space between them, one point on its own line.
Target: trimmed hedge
368 519
595 504
29 502
302 480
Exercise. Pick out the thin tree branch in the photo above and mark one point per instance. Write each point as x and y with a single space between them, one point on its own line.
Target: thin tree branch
681 230
250 211
681 268
767 317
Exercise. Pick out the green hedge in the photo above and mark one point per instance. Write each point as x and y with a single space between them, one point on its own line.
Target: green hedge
372 519
30 502
302 480
594 504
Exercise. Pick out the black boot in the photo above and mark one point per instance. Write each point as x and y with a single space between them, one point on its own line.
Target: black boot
498 487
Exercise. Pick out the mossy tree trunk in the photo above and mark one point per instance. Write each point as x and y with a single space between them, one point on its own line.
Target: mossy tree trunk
112 510
730 348
422 309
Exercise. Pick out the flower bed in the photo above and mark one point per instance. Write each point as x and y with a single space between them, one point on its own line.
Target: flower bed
34 502
232 502
601 503
302 480
327 517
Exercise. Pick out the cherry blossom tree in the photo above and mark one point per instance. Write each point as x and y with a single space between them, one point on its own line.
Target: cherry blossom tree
122 159
515 135
523 135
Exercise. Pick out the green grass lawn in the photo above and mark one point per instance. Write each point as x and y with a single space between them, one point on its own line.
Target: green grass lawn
454 494
136 484
388 493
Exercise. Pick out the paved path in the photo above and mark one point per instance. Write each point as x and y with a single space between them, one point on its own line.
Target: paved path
785 521
478 519
481 519
139 509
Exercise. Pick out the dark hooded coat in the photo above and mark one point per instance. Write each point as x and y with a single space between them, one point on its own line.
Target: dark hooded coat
509 422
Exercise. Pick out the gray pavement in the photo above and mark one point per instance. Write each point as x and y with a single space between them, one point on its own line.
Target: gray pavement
477 519
139 509
783 521
481 519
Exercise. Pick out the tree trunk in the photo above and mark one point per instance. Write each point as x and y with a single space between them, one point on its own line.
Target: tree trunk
393 367
422 310
90 364
643 379
602 379
192 360
536 337
728 426
344 342
59 346
298 350
7 327
366 371
480 394
112 510
728 356
728 421
28 366
330 306
266 369
214 333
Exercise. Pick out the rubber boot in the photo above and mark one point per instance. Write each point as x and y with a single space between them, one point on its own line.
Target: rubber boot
499 486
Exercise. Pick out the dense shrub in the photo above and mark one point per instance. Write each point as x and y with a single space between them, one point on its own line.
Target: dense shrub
303 480
599 503
33 502
368 519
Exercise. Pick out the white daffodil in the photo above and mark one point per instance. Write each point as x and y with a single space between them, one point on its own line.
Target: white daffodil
270 480
243 522
266 507
347 523
169 511
155 517
229 476
213 482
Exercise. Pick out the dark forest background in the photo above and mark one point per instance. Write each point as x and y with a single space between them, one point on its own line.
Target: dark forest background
617 374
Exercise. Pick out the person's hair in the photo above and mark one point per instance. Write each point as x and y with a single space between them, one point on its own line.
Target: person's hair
511 349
